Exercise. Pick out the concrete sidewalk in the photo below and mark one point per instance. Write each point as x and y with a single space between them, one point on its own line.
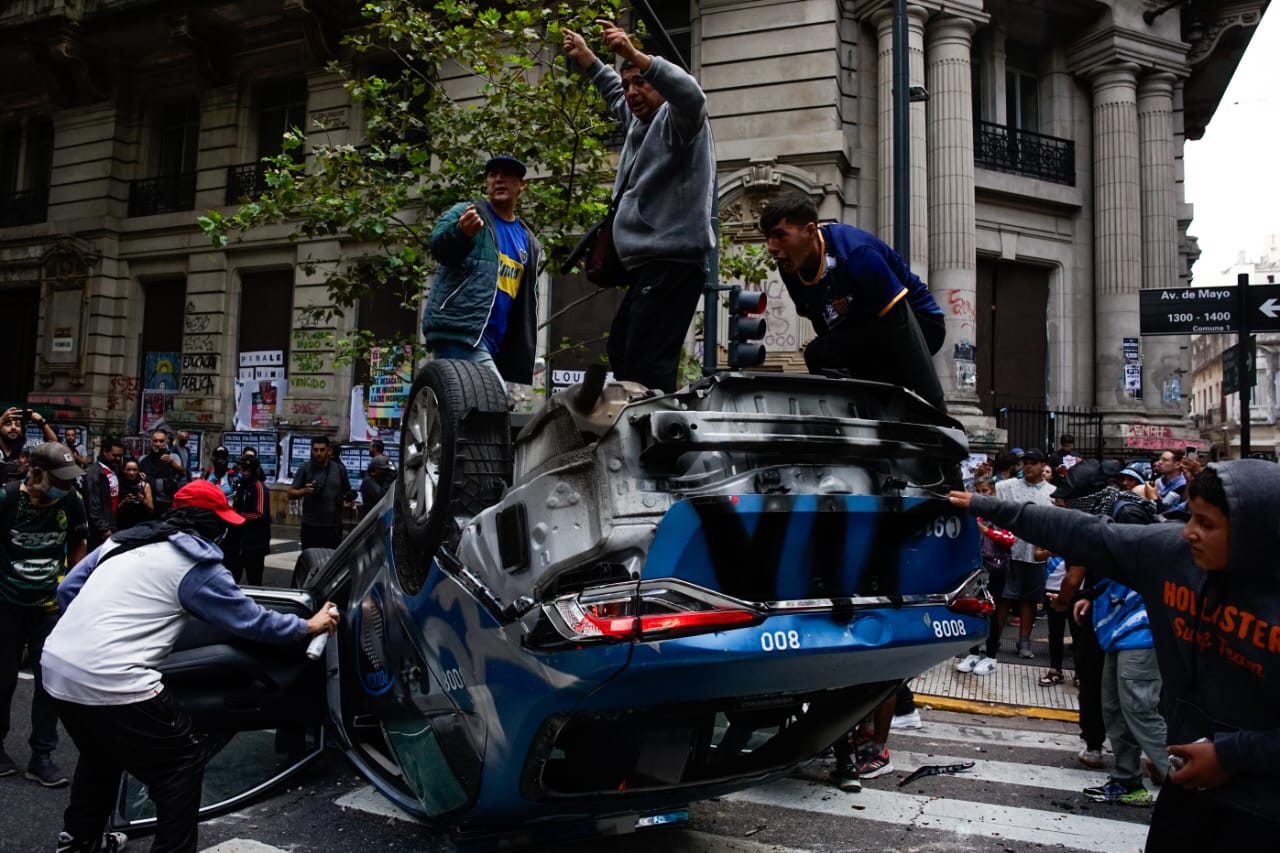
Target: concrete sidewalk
1012 690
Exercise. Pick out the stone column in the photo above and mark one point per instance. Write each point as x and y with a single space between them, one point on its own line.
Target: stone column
1117 229
883 21
952 273
1162 356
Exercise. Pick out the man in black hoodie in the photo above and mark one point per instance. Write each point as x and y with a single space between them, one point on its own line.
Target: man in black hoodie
1212 589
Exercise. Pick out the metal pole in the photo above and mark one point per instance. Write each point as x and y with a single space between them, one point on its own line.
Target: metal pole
1244 360
710 288
901 133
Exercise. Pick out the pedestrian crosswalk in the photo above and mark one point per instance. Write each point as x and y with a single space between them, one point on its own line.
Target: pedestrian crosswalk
980 803
1022 793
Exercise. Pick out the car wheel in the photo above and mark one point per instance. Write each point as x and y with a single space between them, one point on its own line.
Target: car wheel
306 572
455 451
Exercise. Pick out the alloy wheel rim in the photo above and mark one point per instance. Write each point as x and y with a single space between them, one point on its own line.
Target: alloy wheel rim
423 451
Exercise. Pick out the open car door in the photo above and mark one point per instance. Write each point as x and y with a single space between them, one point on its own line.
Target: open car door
263 705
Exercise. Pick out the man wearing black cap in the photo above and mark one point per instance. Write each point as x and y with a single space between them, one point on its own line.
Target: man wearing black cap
42 530
483 302
125 606
1024 583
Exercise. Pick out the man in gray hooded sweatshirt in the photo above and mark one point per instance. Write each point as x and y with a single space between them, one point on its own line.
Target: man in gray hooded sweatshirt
1212 590
662 227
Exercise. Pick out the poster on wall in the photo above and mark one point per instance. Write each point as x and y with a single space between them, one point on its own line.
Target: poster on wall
195 443
258 403
161 371
262 441
391 371
154 406
355 458
297 451
1133 380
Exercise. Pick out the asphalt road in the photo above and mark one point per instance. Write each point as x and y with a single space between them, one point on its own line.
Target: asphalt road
1022 796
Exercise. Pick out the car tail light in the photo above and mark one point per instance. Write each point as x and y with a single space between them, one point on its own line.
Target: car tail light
972 599
652 612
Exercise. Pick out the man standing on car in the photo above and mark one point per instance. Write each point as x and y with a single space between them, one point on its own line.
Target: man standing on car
42 530
124 608
324 488
875 319
483 302
663 198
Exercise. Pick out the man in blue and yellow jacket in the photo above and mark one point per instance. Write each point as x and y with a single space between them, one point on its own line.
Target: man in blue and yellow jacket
483 303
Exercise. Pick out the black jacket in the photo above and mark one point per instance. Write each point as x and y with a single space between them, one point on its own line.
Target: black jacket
97 503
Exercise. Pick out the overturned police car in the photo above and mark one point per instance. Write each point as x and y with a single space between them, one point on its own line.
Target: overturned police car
641 600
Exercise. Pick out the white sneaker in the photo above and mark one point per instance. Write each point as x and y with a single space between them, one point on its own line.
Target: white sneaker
968 663
907 721
986 666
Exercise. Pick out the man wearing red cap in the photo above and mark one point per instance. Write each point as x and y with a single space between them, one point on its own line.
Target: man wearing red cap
124 607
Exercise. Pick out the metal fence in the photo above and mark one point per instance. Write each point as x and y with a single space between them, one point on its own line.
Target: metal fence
1024 152
1040 427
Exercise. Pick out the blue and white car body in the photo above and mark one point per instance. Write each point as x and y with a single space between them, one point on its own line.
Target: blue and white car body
645 599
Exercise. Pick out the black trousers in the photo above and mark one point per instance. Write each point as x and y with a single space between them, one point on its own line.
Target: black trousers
1089 658
934 329
248 566
26 627
1189 820
648 331
153 741
888 349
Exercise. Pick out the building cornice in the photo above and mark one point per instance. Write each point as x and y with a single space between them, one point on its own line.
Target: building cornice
1111 44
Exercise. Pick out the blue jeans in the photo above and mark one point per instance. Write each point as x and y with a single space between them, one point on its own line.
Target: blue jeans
464 352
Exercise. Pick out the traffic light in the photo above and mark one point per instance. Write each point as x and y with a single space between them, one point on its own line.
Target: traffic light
744 332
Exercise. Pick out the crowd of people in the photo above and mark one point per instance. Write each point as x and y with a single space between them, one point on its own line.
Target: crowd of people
1164 582
1173 604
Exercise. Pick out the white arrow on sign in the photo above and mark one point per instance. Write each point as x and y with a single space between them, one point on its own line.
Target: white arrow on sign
1271 308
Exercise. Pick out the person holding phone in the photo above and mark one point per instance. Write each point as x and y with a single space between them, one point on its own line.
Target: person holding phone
323 486
482 306
13 437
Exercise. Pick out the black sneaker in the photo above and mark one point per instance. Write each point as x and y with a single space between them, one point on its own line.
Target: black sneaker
43 770
846 778
112 842
7 767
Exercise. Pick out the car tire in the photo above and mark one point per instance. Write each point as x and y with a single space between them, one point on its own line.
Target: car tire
306 572
455 455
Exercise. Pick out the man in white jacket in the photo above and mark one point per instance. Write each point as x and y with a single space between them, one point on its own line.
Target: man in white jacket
124 607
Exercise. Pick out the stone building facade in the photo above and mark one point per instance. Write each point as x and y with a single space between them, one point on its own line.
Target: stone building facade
1045 175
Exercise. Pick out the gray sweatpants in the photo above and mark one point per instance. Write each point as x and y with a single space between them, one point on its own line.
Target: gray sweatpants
1130 708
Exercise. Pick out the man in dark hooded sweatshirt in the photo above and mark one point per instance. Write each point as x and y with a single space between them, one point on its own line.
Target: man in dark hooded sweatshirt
1212 589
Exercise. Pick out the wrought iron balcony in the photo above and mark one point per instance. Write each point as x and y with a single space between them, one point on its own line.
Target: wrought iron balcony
164 194
1022 152
245 182
24 208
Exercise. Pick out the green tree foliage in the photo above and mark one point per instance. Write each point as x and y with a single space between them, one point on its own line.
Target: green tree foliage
442 86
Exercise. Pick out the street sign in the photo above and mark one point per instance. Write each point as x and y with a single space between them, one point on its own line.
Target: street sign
1206 310
1187 310
1233 365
